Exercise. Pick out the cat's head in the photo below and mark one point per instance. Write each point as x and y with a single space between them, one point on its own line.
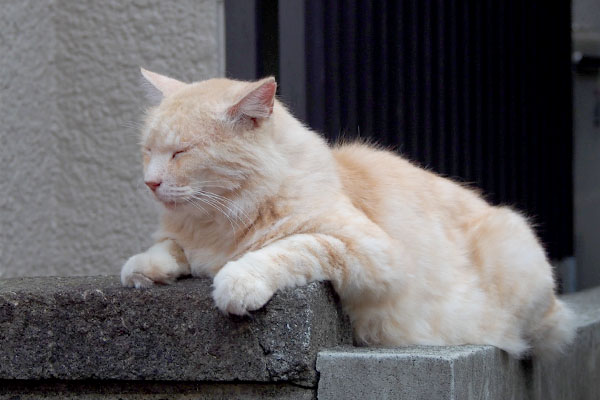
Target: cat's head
207 139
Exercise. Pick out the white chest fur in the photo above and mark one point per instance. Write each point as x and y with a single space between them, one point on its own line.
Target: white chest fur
204 262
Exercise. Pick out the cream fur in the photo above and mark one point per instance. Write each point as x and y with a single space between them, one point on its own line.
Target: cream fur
259 202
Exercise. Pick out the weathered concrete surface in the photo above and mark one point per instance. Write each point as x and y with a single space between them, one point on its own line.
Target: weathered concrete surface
129 390
469 372
420 372
92 328
90 338
577 374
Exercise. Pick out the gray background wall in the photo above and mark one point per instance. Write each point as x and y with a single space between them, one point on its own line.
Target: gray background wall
586 35
72 200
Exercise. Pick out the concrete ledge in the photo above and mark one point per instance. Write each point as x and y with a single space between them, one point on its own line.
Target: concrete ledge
465 372
92 328
143 390
468 372
64 338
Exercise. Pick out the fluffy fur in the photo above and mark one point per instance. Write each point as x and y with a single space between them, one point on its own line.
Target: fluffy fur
259 202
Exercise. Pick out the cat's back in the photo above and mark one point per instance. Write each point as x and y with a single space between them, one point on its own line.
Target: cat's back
468 261
390 190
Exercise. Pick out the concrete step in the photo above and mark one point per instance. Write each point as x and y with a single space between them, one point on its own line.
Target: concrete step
468 372
90 328
88 337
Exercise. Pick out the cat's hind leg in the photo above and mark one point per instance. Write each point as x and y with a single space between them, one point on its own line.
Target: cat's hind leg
515 272
162 263
555 330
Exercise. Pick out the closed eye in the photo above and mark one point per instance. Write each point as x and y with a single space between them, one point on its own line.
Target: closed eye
178 153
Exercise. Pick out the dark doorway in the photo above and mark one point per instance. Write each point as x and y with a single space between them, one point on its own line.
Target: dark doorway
477 91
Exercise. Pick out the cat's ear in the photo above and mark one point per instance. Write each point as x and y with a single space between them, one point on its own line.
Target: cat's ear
160 86
255 105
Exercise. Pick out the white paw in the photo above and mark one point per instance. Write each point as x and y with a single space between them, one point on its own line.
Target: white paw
237 289
145 269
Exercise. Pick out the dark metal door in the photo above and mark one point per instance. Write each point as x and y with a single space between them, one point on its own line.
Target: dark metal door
479 91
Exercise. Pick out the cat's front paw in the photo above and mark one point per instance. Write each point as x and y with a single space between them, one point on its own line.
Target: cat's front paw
237 289
145 269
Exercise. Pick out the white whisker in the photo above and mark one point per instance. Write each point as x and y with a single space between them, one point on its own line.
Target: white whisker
231 205
217 207
198 206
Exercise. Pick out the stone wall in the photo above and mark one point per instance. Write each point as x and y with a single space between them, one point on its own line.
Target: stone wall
73 201
469 372
90 338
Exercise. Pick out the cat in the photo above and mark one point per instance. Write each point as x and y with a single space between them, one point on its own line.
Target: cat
259 202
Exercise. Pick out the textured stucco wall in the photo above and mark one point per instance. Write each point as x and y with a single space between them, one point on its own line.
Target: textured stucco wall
73 201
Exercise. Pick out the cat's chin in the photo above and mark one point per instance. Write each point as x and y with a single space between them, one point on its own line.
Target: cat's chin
171 205
168 204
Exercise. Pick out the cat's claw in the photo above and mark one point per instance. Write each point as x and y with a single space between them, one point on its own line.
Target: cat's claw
236 291
131 275
140 281
143 270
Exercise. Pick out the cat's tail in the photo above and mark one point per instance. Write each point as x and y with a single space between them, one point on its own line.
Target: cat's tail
555 331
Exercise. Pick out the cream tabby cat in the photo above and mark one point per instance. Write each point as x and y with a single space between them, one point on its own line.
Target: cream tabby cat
259 202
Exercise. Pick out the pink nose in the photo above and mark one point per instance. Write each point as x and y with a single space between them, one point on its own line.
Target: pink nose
153 185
